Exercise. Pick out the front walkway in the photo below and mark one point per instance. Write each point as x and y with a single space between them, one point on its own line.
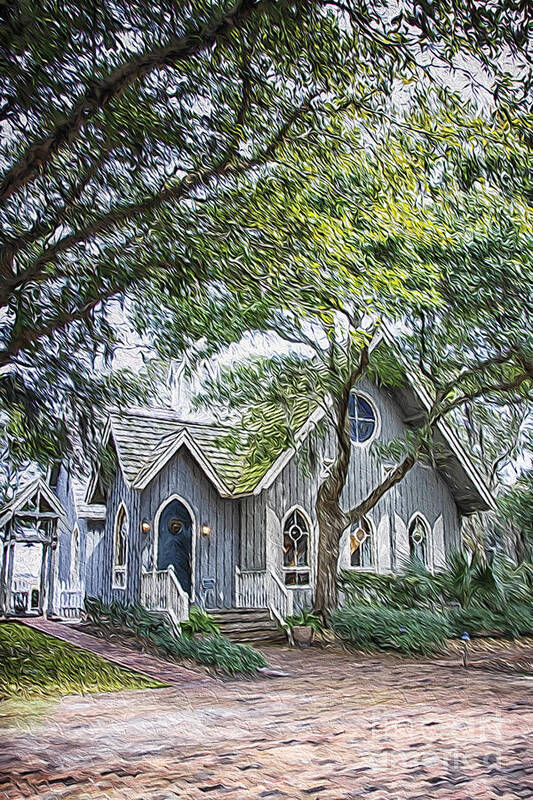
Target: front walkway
154 667
338 726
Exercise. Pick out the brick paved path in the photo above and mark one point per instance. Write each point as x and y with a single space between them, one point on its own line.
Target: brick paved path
152 666
339 726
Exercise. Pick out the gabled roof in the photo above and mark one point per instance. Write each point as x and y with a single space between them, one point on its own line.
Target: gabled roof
467 484
36 488
147 438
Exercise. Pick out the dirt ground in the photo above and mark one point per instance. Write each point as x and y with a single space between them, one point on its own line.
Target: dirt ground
338 725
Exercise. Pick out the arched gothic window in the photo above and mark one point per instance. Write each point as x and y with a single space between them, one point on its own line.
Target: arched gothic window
363 418
419 539
361 545
296 550
120 549
75 555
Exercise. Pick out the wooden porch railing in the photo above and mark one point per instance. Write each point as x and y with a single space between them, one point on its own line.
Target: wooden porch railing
70 599
262 588
162 591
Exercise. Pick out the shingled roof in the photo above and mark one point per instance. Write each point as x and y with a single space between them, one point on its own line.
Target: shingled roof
146 438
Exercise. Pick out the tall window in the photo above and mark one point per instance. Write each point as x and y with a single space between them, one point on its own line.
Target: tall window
361 545
296 550
120 549
75 556
419 539
362 418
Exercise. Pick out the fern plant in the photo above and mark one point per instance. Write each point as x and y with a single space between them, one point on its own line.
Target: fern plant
199 622
304 618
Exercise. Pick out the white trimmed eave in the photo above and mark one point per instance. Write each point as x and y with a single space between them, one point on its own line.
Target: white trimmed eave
444 428
37 484
423 396
183 439
283 459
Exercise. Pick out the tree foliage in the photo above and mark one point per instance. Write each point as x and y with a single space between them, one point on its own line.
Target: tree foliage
384 228
122 121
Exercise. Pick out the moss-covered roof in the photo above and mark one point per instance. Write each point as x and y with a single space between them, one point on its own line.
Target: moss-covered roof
146 438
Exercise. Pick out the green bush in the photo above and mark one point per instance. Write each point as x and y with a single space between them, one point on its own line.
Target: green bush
469 580
518 619
304 617
152 629
415 587
410 631
514 619
475 621
199 622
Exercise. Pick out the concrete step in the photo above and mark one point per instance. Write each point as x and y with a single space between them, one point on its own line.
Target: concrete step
226 627
248 625
228 619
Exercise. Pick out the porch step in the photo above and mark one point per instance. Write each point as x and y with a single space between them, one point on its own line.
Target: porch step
248 625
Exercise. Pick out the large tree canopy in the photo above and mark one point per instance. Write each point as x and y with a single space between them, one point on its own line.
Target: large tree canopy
383 230
122 120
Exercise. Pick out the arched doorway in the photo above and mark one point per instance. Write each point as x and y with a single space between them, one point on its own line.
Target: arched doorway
174 541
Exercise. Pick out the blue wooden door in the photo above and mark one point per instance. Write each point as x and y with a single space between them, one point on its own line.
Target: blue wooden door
175 542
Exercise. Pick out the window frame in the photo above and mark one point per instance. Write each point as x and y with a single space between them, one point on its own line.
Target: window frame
377 418
428 562
372 537
120 569
307 568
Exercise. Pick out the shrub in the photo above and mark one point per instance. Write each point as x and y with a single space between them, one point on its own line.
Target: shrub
474 620
415 587
381 628
150 628
469 580
199 622
518 619
514 619
304 617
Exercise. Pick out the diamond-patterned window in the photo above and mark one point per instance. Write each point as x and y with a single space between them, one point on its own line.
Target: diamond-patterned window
296 550
418 539
361 545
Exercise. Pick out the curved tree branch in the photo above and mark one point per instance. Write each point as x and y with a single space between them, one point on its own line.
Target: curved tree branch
96 97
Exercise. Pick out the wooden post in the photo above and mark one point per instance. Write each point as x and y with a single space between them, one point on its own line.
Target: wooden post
9 577
43 587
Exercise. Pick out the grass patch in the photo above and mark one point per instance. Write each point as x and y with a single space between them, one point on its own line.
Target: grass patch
33 664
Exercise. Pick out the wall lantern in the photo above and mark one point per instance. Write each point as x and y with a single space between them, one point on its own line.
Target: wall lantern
145 526
206 530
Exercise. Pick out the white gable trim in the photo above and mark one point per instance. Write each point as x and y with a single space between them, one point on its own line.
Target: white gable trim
183 439
37 484
449 436
422 394
283 459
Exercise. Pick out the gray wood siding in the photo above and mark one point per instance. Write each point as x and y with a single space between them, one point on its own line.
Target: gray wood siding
215 555
253 526
91 565
423 490
65 527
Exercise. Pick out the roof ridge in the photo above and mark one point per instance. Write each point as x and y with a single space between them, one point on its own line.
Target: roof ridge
162 413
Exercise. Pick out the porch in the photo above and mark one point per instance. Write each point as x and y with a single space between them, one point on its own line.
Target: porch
262 602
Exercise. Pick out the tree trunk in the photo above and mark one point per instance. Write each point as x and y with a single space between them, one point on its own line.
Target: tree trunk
331 524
